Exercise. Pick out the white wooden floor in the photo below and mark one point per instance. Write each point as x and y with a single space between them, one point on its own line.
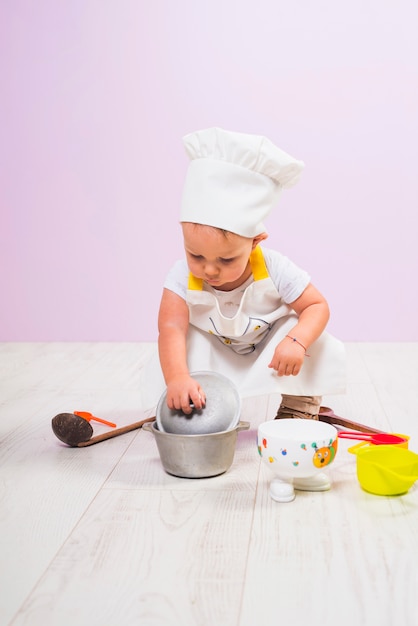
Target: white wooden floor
103 536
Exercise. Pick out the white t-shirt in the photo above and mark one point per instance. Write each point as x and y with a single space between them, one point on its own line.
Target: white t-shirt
289 279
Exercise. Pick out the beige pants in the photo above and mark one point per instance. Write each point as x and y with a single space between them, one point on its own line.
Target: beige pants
305 407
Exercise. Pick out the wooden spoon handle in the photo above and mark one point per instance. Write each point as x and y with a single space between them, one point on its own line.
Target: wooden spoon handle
114 433
327 415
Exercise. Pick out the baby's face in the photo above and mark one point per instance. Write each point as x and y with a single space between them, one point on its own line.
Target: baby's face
220 259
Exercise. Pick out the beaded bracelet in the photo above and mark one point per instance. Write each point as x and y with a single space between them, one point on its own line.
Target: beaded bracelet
298 342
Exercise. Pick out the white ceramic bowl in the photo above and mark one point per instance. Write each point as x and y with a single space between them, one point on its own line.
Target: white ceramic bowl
297 448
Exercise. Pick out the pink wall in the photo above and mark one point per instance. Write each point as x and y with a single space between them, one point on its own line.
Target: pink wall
96 95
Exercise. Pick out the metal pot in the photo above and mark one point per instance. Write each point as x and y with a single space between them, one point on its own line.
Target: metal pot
196 456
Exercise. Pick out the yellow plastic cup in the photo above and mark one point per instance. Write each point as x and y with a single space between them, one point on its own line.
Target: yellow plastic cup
386 470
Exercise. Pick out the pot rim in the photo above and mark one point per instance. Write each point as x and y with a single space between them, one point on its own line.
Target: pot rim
153 427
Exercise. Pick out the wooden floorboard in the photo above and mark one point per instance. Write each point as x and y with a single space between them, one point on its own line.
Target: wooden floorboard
103 536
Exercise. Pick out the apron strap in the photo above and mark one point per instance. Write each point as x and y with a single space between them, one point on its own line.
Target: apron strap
258 264
194 284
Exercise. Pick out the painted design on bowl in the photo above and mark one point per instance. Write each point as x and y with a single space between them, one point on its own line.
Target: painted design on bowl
323 454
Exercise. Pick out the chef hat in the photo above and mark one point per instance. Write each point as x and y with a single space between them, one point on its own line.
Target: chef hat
234 180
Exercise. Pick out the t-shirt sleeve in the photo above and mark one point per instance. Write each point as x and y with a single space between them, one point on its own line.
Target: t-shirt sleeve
177 279
289 279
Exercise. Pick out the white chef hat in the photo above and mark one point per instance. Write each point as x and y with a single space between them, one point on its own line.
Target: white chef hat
234 180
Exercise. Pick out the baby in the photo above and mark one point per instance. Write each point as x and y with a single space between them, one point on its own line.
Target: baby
235 307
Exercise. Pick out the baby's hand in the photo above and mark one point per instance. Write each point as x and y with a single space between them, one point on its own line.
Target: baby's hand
184 390
288 358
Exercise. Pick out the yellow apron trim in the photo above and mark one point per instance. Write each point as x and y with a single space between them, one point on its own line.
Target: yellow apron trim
195 284
258 268
258 264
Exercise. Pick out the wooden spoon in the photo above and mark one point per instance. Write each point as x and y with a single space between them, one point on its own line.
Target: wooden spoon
327 415
77 432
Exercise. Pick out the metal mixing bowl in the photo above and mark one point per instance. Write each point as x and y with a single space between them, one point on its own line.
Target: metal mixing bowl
221 412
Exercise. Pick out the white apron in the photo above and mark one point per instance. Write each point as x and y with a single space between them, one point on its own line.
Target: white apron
241 347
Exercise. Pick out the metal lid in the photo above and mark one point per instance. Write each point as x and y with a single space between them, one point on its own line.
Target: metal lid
222 410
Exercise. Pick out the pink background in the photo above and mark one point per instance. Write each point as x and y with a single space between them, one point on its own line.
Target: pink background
96 95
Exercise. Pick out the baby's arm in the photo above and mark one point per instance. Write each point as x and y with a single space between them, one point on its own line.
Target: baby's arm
173 323
313 313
